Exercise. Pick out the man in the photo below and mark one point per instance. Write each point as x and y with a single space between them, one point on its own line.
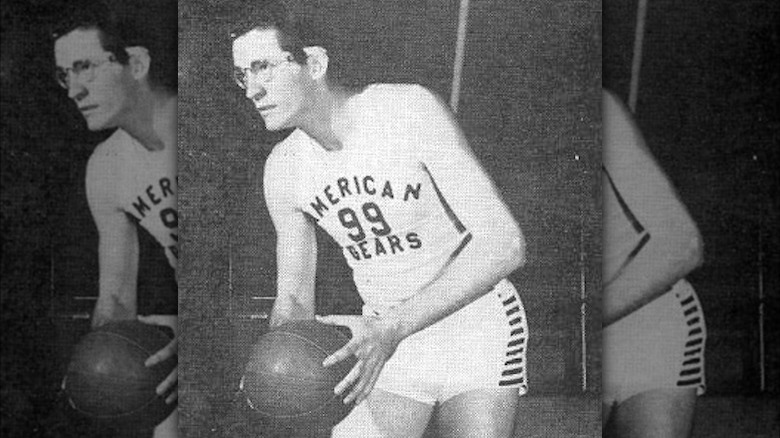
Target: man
386 171
121 74
654 333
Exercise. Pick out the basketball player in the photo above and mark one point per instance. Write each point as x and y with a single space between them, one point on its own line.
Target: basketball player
386 171
116 75
654 333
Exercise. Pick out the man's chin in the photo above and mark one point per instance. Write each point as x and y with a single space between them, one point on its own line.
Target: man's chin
97 125
275 126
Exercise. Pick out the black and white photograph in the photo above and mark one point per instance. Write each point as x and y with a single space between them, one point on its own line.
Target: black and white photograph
90 222
406 192
365 218
690 275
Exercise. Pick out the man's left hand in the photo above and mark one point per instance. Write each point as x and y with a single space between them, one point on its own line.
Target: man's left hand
168 351
374 340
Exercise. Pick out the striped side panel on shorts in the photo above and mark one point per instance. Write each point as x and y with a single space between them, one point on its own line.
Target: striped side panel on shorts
514 366
692 370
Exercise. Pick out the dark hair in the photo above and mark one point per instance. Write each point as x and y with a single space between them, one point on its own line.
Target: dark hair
152 24
296 29
292 34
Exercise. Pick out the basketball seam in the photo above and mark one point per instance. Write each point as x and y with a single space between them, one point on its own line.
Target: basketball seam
114 417
302 414
321 407
117 416
132 341
309 341
116 378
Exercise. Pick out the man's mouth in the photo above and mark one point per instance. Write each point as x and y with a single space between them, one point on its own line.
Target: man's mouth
265 108
87 108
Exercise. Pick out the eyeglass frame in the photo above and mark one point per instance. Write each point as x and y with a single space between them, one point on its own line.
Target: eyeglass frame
62 75
241 75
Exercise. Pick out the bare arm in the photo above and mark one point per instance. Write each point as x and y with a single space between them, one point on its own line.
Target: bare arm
492 248
496 247
673 247
117 248
296 247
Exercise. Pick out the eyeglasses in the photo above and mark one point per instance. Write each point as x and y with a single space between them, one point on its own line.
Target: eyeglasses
262 70
84 71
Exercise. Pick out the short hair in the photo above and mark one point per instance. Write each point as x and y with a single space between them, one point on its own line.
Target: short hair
152 24
292 33
295 30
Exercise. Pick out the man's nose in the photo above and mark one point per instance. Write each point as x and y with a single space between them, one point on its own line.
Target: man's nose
76 90
255 90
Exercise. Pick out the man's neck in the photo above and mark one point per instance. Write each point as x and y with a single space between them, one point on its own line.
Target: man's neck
330 121
153 123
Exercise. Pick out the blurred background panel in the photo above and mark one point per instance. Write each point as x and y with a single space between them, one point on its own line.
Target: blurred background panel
706 98
49 277
529 104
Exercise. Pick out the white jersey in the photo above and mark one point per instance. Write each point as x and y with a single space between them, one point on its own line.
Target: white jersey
378 196
629 201
144 183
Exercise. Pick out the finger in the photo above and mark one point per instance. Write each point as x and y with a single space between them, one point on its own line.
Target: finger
172 397
151 319
169 321
350 378
370 386
356 390
341 354
365 376
162 355
371 373
342 320
169 382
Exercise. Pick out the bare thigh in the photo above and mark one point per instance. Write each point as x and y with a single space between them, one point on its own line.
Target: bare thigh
660 413
388 415
479 413
169 428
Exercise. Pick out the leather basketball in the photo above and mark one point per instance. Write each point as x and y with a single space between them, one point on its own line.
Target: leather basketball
284 381
107 381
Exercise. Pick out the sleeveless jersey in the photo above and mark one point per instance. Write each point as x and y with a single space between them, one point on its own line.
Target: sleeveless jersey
377 197
145 186
624 234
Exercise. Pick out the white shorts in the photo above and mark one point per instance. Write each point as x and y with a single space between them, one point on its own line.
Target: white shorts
481 346
661 345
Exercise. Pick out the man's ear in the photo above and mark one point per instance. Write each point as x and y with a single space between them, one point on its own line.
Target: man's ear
140 61
316 61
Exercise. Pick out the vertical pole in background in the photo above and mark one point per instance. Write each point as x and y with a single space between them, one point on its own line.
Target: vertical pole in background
583 295
231 298
761 304
636 63
460 49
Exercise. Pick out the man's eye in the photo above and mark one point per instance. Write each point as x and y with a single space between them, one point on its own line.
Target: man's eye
80 66
259 66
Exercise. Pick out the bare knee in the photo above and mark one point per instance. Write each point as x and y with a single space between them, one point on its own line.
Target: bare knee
479 413
385 415
660 413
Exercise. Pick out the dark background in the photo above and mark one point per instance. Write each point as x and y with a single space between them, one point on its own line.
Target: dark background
49 241
529 107
708 107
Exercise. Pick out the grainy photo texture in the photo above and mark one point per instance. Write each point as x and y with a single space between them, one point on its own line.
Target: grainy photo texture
422 177
691 344
90 222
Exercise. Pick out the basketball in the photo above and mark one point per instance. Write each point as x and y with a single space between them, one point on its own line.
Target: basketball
285 384
107 381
